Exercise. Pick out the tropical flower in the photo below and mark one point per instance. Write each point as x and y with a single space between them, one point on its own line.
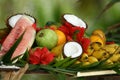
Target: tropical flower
41 56
77 32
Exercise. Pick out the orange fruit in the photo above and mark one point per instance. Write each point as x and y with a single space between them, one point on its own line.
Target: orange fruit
61 37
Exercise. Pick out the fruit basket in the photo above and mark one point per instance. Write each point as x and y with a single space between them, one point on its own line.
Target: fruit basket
62 49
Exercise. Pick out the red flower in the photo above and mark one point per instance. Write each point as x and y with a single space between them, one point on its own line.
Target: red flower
70 31
36 28
41 56
77 32
85 42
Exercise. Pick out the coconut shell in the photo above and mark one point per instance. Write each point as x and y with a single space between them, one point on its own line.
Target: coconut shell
64 20
73 53
7 21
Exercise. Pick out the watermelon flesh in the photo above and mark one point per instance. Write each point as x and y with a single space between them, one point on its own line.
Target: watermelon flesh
19 28
26 42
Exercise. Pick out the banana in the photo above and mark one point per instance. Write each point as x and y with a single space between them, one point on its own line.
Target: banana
90 50
99 54
110 48
57 50
96 45
92 59
113 45
115 57
86 63
84 57
100 33
118 51
97 40
108 62
77 62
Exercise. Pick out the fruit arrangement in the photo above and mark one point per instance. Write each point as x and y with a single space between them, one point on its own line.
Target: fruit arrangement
64 48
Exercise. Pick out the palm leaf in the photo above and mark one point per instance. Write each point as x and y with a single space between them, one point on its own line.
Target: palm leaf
61 62
117 70
113 32
109 5
58 70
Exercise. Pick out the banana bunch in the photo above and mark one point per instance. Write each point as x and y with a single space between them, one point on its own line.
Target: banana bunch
99 50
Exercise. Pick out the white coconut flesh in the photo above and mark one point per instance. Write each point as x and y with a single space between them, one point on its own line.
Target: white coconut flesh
13 20
74 20
72 49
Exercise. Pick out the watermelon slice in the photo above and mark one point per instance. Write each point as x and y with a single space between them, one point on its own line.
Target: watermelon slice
20 26
26 42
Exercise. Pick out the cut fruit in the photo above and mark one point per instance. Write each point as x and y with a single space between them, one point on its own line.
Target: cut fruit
72 49
26 42
20 23
74 20
13 19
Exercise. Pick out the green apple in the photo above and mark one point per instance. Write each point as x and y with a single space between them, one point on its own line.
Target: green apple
46 38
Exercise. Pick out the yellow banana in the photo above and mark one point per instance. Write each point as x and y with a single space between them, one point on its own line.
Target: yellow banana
86 63
99 54
108 62
110 48
57 50
115 57
92 59
97 39
84 57
100 33
90 50
96 45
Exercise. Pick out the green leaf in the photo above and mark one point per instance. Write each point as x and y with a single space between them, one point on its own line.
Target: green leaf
7 57
69 63
108 6
75 66
33 67
60 70
25 56
117 70
91 66
61 62
108 66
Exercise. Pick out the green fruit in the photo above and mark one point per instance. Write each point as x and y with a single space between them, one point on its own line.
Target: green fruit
46 38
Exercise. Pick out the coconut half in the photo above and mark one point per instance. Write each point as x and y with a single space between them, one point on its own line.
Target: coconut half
14 18
72 49
74 20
